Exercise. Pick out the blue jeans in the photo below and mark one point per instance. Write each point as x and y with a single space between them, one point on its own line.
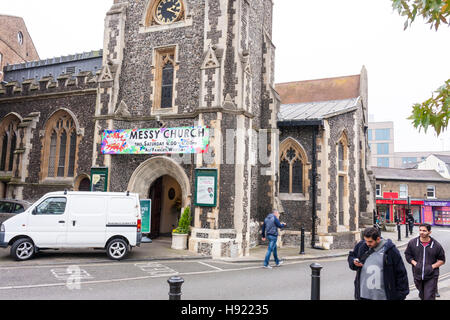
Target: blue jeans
272 248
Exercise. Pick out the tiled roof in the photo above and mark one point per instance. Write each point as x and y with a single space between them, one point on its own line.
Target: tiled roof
316 110
407 174
339 88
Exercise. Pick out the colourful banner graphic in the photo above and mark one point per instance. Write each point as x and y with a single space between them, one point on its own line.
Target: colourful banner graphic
156 141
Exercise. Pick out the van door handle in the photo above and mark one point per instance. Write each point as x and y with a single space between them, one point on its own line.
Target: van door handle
73 223
61 221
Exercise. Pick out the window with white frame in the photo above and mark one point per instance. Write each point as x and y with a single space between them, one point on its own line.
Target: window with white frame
403 191
378 190
431 192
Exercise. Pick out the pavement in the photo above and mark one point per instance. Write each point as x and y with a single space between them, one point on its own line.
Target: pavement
160 250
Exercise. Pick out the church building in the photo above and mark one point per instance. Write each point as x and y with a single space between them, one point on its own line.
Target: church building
180 107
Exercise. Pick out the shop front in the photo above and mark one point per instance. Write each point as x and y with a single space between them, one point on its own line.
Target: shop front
389 209
437 213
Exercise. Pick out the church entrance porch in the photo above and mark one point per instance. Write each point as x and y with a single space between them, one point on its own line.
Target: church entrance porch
165 182
165 194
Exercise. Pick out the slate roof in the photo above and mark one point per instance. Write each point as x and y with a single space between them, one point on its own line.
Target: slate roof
442 157
86 61
407 174
317 110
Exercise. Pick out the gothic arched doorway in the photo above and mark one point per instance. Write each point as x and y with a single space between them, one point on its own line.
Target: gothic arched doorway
165 193
154 179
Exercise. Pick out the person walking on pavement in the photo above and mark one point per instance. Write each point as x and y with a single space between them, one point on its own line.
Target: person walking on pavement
270 228
380 272
410 220
425 255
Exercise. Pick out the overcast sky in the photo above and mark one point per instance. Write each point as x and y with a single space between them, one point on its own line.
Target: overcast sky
314 40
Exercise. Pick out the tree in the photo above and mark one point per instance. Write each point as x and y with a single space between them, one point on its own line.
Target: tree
435 111
434 11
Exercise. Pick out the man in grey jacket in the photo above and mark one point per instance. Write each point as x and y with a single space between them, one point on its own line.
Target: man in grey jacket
425 255
270 227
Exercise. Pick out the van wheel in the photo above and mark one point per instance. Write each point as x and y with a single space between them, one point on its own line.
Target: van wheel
22 249
117 249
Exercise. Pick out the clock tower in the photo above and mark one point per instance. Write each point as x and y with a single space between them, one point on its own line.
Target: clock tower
194 63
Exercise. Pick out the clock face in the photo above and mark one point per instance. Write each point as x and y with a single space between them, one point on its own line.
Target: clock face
168 11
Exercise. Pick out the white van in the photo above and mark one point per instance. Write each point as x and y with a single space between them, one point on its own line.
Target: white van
106 220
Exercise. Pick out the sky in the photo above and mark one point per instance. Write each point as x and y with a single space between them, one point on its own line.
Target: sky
313 39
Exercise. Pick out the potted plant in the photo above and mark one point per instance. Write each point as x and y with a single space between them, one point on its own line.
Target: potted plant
390 227
180 234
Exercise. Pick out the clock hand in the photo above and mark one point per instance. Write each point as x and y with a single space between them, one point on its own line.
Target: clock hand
170 10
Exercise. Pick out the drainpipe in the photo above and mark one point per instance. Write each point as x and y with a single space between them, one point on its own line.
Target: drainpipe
314 187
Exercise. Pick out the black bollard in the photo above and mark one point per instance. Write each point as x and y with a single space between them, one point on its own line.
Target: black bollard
302 241
407 227
398 230
315 281
175 288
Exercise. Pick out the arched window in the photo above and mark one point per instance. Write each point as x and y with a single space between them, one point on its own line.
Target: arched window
342 179
4 152
340 156
293 168
167 85
11 151
8 141
164 78
60 146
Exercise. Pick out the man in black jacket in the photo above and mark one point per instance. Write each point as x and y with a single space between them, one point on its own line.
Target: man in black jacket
425 255
380 272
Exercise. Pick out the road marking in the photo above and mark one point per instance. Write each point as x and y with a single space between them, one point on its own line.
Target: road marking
156 269
72 273
154 276
210 266
122 263
84 283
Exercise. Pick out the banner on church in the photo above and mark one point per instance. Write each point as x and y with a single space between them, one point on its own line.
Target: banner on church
156 141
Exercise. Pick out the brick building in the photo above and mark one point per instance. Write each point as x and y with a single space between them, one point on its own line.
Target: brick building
425 192
16 45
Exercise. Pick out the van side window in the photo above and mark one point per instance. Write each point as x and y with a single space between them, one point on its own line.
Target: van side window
55 206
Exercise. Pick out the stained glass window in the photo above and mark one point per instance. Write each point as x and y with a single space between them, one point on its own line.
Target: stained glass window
52 157
61 146
341 156
62 154
284 176
73 146
11 151
167 86
297 176
4 153
292 166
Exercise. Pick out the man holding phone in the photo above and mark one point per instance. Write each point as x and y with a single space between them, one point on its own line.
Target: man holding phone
380 272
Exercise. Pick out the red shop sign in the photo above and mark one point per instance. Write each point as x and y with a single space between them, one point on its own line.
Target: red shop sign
390 195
